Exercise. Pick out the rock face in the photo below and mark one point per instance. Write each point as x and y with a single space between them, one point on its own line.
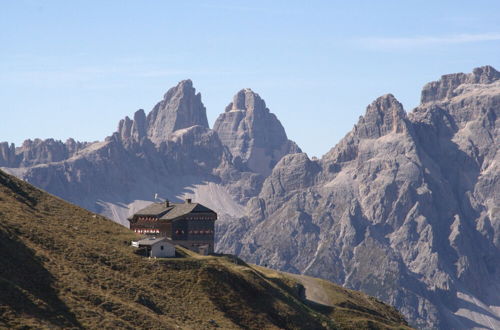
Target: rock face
253 135
8 155
405 207
135 129
180 108
445 87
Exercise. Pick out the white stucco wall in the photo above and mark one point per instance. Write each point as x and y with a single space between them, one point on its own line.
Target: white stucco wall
168 250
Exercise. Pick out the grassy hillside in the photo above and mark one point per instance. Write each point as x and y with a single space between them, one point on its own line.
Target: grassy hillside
64 267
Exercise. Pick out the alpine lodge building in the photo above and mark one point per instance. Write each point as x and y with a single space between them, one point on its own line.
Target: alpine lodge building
188 224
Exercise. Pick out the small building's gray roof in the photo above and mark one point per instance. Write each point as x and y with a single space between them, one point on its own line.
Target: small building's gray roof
174 210
151 241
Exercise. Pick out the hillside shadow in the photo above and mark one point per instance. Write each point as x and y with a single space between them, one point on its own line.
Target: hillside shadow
27 287
230 292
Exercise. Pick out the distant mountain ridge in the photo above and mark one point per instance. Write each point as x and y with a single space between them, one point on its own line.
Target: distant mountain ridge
170 151
34 152
404 207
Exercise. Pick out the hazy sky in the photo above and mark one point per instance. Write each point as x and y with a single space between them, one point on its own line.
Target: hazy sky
75 68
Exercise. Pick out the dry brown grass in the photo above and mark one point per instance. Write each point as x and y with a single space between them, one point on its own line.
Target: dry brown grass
64 267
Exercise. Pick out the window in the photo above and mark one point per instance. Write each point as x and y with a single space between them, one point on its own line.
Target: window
161 247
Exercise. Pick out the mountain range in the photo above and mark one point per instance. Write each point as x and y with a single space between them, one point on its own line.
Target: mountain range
405 207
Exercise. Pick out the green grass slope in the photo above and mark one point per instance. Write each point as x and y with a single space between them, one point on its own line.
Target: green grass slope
64 267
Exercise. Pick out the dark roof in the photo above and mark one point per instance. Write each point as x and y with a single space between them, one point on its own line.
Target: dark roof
155 209
174 210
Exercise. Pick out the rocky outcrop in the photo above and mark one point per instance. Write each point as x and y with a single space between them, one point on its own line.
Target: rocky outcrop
445 87
385 115
135 129
8 155
34 152
181 107
253 135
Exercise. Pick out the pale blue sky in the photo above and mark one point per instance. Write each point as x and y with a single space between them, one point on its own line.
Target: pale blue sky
75 68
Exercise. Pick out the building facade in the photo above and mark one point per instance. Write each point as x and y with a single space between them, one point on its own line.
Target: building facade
188 224
156 247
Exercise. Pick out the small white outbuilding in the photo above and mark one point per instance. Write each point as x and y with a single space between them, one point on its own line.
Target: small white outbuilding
156 247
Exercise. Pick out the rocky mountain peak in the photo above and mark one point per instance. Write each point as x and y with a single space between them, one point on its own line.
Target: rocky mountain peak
252 133
181 107
133 129
7 154
445 87
124 128
139 127
383 116
485 75
247 100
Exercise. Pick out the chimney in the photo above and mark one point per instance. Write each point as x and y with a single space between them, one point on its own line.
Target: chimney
167 203
188 200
